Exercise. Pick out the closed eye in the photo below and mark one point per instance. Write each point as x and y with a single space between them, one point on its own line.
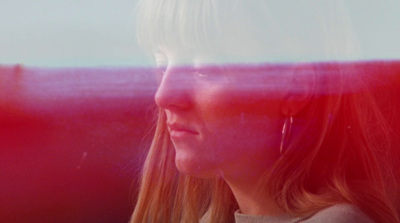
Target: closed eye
209 71
202 73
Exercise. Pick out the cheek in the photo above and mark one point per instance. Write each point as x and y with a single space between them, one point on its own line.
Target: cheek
235 104
239 123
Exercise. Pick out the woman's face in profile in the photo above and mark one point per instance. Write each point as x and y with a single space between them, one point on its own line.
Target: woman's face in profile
222 119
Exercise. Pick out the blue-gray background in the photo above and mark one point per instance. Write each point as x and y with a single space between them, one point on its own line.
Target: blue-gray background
102 32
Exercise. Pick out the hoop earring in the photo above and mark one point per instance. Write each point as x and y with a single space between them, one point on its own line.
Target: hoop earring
287 127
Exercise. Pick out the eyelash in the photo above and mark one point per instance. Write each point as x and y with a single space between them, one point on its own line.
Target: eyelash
201 74
160 71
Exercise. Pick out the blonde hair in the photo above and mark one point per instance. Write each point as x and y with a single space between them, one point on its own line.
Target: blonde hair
344 149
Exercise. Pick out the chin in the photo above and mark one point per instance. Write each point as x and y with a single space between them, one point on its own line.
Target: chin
195 167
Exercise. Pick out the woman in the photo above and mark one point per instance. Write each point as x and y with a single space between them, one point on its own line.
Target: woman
258 120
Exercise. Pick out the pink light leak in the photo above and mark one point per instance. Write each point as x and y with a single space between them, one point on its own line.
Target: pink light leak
72 138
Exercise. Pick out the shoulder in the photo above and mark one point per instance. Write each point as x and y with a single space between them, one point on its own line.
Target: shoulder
340 213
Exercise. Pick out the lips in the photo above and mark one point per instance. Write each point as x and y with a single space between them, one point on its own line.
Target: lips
177 130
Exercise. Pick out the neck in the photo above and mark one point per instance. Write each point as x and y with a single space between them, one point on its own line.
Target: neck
253 199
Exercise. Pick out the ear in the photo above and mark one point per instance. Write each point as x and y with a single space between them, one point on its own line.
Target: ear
301 89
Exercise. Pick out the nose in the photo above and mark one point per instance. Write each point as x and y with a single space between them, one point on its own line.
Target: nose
173 93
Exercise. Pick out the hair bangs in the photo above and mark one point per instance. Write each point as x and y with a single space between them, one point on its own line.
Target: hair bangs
183 23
